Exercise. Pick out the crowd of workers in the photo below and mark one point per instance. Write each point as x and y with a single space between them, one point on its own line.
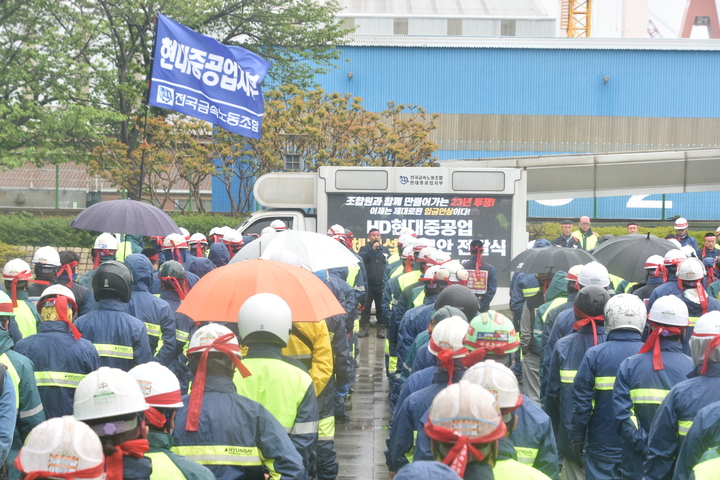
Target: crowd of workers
593 376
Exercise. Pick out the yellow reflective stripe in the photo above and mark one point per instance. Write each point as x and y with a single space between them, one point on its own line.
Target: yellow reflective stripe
153 329
326 428
392 364
693 320
302 356
387 347
604 383
356 325
115 351
653 396
14 376
220 454
411 454
304 428
181 336
567 376
526 455
58 379
684 427
633 419
530 292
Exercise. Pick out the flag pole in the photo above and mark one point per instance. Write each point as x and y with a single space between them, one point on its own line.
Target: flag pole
143 144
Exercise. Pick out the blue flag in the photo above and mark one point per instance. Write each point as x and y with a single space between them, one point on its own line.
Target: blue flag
200 77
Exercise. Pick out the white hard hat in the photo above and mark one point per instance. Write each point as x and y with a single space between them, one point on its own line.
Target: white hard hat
675 242
449 334
653 262
233 237
198 237
681 224
625 311
207 334
105 241
286 256
707 327
278 225
404 238
407 251
674 257
184 232
14 267
336 230
467 409
594 273
689 251
421 243
430 273
408 231
425 253
267 231
107 392
717 231
435 256
452 272
265 312
47 256
574 272
708 324
691 270
497 379
62 445
669 310
174 240
54 291
158 384
216 231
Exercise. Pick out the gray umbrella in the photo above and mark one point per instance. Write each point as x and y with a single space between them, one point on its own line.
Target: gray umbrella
125 216
625 256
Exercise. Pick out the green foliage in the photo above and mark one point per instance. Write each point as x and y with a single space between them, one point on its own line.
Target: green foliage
8 252
551 230
24 228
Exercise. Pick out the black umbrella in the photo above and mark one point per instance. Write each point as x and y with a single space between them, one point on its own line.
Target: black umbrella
549 259
125 216
625 256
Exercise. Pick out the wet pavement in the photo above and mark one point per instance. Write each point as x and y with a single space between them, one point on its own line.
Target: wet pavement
361 441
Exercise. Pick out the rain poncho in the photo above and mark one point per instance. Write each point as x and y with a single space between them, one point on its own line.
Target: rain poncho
702 440
167 464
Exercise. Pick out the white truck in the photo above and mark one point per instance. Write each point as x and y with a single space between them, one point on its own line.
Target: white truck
450 206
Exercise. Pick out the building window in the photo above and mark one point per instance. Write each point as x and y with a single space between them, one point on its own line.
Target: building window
507 28
293 162
348 23
454 26
400 26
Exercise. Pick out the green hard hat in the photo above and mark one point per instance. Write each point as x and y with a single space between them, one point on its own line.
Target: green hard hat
172 268
491 330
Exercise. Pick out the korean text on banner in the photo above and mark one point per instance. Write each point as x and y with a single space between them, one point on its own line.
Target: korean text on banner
199 76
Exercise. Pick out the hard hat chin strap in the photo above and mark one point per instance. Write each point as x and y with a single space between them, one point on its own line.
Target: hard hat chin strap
653 343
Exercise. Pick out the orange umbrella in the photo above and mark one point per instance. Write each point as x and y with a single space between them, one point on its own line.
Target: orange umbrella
218 296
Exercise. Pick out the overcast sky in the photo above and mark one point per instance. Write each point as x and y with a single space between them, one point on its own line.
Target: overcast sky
666 14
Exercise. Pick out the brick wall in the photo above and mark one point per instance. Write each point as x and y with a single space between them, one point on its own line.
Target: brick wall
85 264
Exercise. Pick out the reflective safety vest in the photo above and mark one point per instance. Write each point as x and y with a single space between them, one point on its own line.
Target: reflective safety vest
512 469
586 243
58 379
26 321
353 271
220 454
163 468
708 470
124 249
115 351
14 376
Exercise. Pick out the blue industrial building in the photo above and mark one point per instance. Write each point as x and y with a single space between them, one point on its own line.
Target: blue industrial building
503 97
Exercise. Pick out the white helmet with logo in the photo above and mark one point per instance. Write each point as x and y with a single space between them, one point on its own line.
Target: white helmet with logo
625 311
594 273
62 445
452 272
47 256
265 312
107 392
670 311
681 224
105 241
449 334
198 237
691 270
206 335
158 384
653 262
15 267
674 257
174 240
468 410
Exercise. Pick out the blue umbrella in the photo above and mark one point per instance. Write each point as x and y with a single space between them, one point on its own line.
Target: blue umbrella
125 216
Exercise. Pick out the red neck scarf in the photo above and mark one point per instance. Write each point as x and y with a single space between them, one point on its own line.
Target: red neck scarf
661 269
586 319
711 276
199 250
478 251
182 288
98 255
460 454
154 416
653 343
114 463
408 264
445 355
712 344
702 295
61 307
67 269
13 287
196 396
92 472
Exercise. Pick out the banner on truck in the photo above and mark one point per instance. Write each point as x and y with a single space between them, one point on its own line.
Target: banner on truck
196 75
450 221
